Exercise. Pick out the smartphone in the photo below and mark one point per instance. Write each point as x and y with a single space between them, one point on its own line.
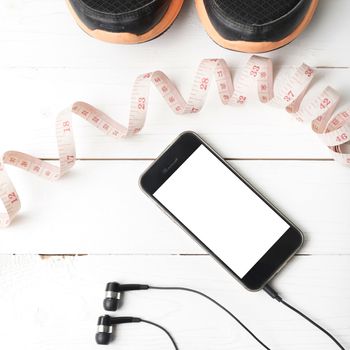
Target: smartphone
221 210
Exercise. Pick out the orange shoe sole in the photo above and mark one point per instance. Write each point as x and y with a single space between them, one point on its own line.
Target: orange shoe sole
252 46
130 38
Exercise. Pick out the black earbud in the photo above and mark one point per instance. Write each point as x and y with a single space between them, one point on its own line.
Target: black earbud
114 292
105 327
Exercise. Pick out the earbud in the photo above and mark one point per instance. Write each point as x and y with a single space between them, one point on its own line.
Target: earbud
114 292
105 327
112 297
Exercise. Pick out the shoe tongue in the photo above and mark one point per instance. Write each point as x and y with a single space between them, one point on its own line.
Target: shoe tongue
117 6
255 11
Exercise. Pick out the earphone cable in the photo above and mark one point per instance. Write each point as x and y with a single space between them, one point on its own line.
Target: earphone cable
273 294
217 304
164 330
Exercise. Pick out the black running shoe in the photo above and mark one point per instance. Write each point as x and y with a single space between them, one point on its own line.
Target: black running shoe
125 21
255 25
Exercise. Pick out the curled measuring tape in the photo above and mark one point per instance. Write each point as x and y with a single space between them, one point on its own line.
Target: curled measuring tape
334 130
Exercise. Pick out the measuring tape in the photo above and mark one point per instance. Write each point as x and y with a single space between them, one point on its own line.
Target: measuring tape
334 131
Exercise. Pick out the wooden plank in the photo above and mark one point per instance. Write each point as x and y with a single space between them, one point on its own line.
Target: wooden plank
99 208
55 302
43 34
50 63
253 131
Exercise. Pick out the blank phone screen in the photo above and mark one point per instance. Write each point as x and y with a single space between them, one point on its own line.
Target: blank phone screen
221 210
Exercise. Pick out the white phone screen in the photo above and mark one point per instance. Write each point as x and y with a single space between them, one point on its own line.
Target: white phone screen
224 213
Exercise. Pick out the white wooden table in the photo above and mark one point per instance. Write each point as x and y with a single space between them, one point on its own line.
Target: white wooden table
95 225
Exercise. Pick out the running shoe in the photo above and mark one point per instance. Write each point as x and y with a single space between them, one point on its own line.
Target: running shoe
125 21
255 25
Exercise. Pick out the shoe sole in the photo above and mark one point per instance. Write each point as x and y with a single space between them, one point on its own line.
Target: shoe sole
130 38
252 46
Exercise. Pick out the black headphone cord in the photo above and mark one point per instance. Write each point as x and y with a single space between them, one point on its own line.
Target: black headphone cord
163 329
273 294
217 304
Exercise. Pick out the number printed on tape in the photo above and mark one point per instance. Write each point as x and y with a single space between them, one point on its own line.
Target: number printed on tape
334 131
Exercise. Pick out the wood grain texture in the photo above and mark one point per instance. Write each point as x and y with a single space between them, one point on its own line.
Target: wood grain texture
99 208
55 41
52 303
251 131
55 303
49 63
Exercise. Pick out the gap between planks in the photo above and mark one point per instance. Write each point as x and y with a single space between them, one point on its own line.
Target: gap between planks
228 159
48 256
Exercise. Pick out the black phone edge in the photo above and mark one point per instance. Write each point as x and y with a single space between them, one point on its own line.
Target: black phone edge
198 241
